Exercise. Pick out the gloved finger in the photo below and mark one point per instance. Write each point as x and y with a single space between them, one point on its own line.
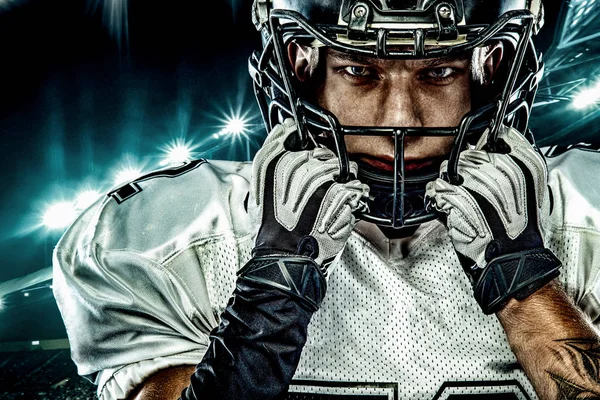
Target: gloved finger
474 158
531 159
434 190
271 149
519 147
343 224
353 169
335 160
457 203
323 154
528 159
501 184
513 138
497 178
282 131
339 198
465 221
298 176
275 143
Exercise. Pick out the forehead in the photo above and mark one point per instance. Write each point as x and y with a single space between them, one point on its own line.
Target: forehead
339 56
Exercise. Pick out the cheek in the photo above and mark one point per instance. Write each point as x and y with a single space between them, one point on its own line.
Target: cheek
432 146
448 104
351 105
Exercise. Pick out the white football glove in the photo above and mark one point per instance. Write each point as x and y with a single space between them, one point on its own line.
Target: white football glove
494 219
302 209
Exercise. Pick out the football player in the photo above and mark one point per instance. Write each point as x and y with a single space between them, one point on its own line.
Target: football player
399 235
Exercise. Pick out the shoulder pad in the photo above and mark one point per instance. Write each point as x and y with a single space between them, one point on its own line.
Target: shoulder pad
168 207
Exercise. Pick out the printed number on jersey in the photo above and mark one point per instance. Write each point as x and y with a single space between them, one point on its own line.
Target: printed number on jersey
132 188
323 390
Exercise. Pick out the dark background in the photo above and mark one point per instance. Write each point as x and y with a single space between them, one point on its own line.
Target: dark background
87 86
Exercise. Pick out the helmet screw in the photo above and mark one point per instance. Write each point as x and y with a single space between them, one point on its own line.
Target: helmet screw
360 11
445 12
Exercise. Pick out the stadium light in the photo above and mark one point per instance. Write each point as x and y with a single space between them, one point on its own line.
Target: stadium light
236 125
59 215
1 303
126 174
587 97
177 152
86 198
26 294
35 343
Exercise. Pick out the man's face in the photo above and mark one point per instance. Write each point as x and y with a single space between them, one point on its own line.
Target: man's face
363 91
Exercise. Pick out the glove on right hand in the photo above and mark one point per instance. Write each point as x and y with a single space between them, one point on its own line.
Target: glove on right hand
302 209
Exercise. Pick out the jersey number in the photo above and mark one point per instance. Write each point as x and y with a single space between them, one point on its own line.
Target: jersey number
323 390
132 188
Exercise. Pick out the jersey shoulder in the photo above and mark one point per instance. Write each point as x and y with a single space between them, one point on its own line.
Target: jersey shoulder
572 173
175 206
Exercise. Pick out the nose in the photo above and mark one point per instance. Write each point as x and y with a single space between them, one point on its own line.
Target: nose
399 105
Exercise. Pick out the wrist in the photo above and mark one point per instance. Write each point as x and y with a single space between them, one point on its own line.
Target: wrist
299 277
514 276
545 297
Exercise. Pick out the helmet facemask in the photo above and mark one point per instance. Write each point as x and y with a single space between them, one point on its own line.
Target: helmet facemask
394 30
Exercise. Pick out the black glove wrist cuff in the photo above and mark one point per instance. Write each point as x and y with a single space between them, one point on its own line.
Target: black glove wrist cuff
299 277
516 275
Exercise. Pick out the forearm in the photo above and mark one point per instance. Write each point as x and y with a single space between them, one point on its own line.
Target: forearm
255 350
555 343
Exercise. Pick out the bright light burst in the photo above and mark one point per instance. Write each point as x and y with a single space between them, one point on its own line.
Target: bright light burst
587 97
236 125
59 215
178 152
86 198
126 174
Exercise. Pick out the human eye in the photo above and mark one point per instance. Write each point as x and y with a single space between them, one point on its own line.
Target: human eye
439 75
358 71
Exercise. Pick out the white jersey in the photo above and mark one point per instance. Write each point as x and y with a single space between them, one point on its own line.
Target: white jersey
142 277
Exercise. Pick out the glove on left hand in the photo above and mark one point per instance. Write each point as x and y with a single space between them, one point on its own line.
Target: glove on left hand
494 220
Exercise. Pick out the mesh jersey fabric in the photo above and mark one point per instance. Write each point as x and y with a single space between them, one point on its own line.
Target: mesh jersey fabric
141 281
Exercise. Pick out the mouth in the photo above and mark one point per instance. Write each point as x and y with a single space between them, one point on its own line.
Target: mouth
412 167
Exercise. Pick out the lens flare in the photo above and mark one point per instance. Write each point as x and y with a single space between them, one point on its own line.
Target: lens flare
59 215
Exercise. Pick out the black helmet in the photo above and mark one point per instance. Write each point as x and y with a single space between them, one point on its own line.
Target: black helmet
398 29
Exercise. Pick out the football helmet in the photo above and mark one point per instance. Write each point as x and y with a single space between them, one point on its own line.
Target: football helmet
398 29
